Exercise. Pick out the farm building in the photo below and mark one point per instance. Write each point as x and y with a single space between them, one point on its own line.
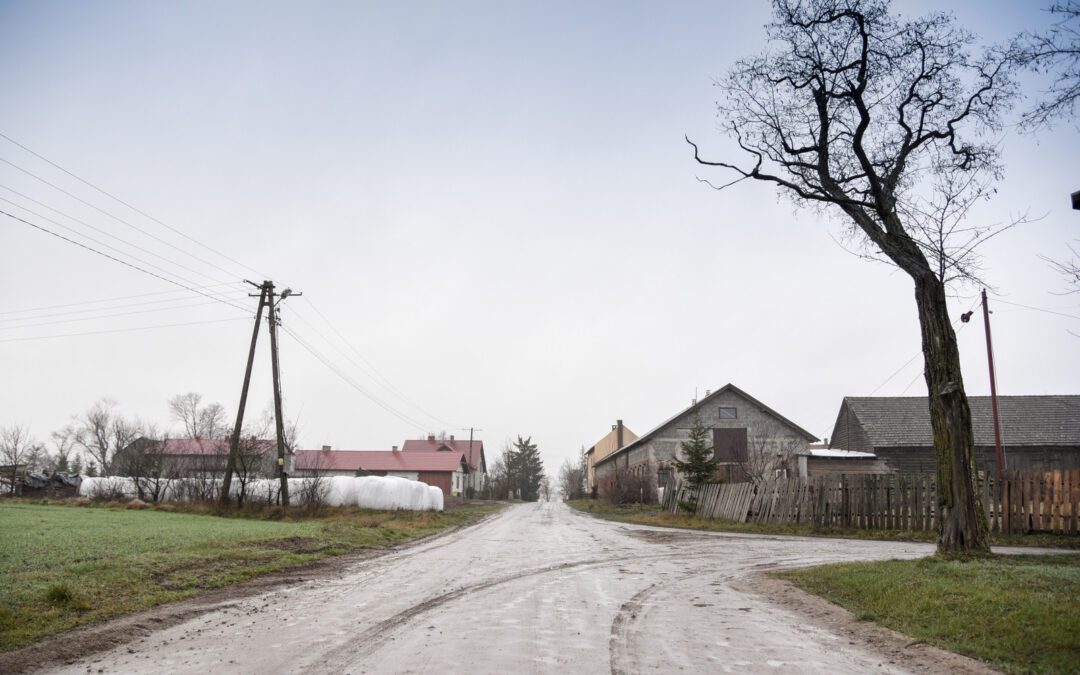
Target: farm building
618 437
752 440
818 460
1038 433
476 480
194 456
448 471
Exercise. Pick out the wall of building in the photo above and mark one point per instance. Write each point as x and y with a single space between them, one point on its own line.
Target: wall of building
763 431
1022 458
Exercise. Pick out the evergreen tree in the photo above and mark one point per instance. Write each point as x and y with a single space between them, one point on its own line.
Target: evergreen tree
528 469
699 465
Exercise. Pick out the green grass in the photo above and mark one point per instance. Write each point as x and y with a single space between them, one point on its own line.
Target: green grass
1018 613
63 566
652 514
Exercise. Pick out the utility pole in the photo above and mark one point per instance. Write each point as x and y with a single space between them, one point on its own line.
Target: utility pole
273 319
993 390
234 440
266 299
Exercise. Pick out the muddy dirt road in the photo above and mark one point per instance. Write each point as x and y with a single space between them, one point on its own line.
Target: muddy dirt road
538 588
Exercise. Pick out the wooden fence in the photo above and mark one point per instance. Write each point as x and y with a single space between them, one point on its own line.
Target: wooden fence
1021 503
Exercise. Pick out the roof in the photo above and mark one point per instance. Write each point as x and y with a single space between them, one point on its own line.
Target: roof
473 450
377 460
836 453
1025 420
205 446
610 442
726 388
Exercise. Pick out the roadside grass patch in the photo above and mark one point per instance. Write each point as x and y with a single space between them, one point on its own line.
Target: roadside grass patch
67 566
1018 613
652 514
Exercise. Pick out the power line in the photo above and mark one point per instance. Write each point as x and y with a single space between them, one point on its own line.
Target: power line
133 208
103 316
122 297
95 309
122 262
96 229
351 382
122 330
1037 309
108 246
377 377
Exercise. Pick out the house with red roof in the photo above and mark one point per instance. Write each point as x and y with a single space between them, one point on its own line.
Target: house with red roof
473 450
446 470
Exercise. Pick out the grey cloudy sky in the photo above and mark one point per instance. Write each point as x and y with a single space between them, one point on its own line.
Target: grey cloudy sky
491 201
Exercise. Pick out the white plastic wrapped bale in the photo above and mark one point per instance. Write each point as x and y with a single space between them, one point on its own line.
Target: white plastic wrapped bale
394 493
107 486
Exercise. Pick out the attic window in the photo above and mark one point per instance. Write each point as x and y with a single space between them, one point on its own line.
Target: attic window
729 413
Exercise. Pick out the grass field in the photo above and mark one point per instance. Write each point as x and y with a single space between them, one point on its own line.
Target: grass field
1018 613
66 566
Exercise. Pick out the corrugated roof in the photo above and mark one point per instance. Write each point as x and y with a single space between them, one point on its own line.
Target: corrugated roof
377 460
1025 420
472 451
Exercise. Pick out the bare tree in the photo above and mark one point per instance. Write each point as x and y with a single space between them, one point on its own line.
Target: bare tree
63 442
18 451
199 421
769 453
1056 53
888 123
572 479
102 432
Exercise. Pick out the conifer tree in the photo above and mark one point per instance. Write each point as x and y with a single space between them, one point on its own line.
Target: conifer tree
699 465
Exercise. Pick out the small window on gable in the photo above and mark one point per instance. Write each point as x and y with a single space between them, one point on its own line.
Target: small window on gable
729 413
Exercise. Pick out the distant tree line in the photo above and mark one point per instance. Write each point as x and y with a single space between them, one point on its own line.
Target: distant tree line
518 473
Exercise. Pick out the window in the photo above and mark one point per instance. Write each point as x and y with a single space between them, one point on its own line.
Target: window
729 413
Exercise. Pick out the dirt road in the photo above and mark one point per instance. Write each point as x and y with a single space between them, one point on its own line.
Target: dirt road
539 588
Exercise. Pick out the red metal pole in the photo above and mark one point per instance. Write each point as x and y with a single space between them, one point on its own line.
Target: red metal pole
993 390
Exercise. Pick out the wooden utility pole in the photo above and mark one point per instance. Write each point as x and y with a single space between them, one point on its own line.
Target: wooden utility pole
266 299
234 440
993 390
272 318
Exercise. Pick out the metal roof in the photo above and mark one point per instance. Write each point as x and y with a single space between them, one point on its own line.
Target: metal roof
378 460
1025 420
473 450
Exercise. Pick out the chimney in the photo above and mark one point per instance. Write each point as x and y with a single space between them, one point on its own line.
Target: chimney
326 448
707 392
618 432
431 438
451 438
394 448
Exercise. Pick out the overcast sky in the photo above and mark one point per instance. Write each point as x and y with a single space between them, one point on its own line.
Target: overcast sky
491 202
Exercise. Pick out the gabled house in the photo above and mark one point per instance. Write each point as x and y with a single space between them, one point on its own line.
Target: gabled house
618 437
473 451
752 441
1038 433
446 470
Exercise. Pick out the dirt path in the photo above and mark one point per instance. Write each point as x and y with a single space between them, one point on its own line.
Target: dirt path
539 588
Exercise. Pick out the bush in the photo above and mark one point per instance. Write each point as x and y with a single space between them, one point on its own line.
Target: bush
632 487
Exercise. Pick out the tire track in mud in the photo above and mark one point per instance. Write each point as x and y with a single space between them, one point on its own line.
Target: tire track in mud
372 638
621 659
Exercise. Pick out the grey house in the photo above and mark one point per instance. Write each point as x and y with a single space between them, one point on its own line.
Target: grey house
1038 433
752 440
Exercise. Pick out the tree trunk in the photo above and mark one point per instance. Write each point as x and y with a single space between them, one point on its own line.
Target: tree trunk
962 526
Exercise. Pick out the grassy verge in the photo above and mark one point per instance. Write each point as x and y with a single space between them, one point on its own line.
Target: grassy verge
651 514
63 567
1018 613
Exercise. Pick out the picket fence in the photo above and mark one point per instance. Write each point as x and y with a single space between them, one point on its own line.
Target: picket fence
1020 503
